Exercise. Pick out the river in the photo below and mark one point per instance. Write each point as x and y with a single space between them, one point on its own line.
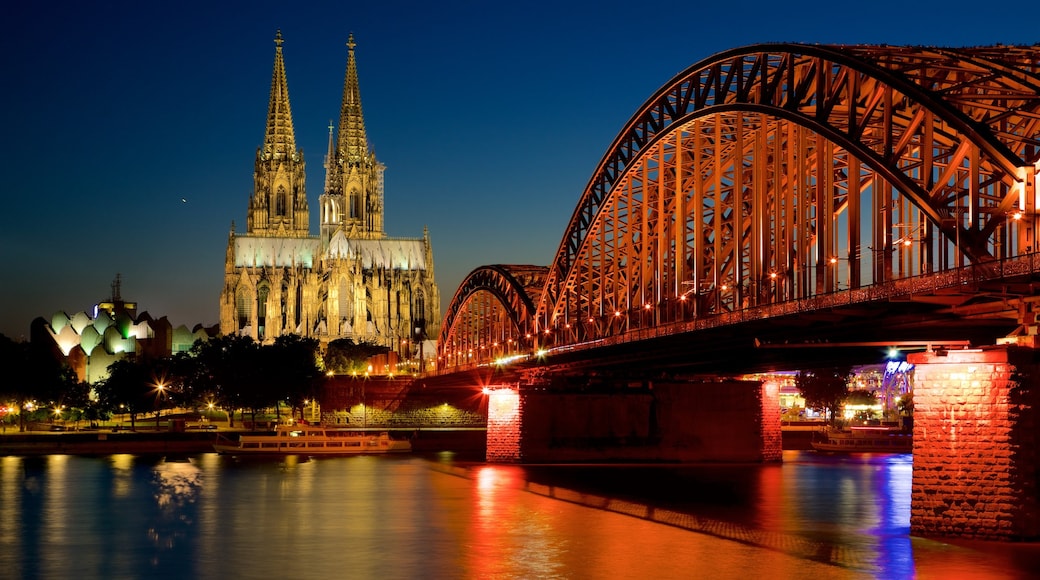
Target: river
210 516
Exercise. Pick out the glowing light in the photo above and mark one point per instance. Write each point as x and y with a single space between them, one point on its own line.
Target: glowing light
1017 215
833 260
772 275
541 353
893 352
486 390
907 242
647 306
617 313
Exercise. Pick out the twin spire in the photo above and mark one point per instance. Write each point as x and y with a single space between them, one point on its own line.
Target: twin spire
280 139
352 145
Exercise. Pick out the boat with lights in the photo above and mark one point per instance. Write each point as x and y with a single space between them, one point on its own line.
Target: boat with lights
865 439
311 440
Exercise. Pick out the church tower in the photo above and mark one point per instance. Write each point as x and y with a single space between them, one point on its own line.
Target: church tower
353 196
278 206
349 281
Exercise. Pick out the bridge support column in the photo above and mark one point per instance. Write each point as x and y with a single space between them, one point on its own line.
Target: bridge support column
725 421
976 436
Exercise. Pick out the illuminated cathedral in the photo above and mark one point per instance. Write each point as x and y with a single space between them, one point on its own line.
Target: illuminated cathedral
348 281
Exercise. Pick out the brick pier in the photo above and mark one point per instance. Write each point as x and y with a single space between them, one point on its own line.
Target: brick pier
976 432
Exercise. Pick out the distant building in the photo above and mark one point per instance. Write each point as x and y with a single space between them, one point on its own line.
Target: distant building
350 280
89 342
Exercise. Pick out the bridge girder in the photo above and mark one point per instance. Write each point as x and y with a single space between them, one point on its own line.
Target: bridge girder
490 314
784 172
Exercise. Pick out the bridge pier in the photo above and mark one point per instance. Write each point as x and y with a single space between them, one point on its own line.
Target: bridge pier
671 421
976 452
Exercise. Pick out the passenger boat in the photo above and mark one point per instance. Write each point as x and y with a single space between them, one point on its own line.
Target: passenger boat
311 440
865 440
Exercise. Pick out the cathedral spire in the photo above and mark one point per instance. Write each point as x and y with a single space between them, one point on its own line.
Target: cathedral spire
352 143
330 162
279 140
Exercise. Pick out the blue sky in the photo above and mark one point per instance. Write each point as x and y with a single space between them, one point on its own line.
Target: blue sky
490 116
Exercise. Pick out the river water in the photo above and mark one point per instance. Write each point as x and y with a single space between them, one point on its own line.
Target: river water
210 516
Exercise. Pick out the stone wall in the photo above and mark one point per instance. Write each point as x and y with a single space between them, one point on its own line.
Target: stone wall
976 441
399 404
721 421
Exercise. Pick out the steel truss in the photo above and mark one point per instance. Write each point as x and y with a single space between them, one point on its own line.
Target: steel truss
777 173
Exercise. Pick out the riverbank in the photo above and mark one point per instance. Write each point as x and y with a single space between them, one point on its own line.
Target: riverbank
471 442
468 441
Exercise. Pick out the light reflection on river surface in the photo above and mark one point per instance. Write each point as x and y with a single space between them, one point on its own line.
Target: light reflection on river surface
209 516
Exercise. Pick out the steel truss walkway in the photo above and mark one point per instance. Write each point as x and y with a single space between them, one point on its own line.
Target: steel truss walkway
780 179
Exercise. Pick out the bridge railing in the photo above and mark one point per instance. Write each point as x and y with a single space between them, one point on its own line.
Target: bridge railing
965 277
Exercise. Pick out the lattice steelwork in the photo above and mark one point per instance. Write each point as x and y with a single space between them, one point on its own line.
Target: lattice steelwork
490 316
779 173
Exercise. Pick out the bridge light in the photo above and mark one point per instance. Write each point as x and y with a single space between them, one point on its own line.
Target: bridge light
617 313
682 298
647 306
1016 215
486 391
907 242
725 287
541 353
833 260
893 352
772 275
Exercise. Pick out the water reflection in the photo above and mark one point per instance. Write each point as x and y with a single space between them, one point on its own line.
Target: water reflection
406 517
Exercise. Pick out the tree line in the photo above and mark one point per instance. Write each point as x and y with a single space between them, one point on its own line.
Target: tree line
228 372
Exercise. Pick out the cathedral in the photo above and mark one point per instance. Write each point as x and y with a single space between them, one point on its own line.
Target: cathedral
348 281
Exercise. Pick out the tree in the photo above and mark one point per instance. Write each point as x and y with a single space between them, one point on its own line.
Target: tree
129 387
32 373
345 357
295 369
825 390
227 370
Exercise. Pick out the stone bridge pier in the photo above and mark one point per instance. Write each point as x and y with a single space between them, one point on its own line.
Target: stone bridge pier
724 421
976 452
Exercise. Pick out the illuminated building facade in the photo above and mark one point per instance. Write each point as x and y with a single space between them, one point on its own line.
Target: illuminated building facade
90 341
350 280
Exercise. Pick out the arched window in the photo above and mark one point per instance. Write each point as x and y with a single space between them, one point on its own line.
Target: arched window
261 309
346 300
280 201
242 309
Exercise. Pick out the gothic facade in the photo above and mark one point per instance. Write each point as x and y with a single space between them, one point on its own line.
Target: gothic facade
350 280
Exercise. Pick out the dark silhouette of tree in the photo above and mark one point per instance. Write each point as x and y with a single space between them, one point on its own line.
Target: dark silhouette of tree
130 388
345 357
32 373
295 368
824 390
227 369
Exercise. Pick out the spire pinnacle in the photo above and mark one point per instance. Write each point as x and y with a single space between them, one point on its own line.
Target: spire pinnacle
351 144
279 139
330 161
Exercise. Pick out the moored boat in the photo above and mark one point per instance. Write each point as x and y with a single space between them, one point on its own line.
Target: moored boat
864 440
311 440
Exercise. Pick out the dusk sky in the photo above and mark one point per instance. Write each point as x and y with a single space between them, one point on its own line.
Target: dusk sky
131 128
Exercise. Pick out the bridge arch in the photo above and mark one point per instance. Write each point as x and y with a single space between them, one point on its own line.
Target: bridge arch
491 314
712 196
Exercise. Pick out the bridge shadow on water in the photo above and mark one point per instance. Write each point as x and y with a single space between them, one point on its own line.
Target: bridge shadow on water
849 512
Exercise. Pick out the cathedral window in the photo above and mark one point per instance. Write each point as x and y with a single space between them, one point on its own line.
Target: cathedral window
242 309
261 309
280 201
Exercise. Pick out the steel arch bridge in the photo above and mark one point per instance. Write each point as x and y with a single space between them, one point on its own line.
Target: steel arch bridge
778 174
